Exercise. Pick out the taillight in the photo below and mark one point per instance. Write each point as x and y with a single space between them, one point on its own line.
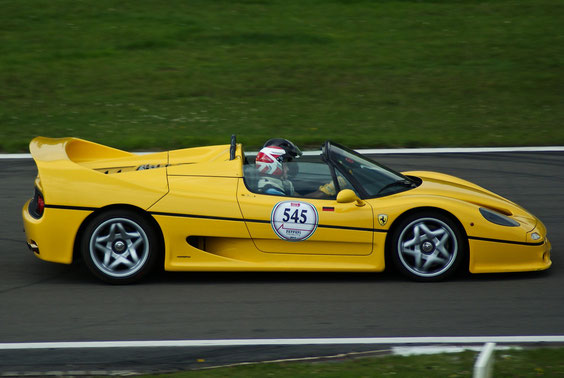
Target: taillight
37 205
40 205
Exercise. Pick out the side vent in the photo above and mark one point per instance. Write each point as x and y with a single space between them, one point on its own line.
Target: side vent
197 242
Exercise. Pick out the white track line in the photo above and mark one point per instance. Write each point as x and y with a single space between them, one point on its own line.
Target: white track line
453 150
15 156
463 150
395 151
262 342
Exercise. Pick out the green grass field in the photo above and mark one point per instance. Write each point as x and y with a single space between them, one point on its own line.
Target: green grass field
544 362
157 75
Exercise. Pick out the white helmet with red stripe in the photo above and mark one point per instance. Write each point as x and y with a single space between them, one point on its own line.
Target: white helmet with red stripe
269 160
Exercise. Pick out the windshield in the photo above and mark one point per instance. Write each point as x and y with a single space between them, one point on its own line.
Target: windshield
375 179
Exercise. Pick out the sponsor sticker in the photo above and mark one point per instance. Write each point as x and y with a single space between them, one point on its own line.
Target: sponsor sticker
294 221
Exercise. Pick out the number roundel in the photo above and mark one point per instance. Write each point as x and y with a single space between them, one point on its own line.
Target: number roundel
294 220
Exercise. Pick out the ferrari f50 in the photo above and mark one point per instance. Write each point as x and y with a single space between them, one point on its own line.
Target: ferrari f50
203 209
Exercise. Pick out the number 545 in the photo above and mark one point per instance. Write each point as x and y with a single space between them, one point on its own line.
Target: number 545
296 216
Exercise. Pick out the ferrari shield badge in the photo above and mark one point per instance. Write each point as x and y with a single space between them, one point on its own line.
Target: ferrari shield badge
382 219
294 220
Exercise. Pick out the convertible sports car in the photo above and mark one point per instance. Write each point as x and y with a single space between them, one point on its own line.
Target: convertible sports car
200 209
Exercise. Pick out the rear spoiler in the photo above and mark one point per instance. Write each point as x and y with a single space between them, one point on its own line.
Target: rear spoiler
73 149
69 174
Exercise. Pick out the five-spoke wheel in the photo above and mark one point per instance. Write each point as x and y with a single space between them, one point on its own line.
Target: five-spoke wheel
427 246
119 246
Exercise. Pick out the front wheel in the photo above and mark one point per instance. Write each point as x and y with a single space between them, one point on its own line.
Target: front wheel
119 246
428 246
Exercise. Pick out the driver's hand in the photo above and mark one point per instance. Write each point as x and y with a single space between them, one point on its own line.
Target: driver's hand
329 188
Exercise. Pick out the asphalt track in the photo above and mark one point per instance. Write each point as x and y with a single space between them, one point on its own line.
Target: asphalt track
44 302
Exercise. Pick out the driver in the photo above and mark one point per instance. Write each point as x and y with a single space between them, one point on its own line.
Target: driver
271 165
275 172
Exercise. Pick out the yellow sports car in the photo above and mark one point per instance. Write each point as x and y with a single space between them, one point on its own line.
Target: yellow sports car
207 209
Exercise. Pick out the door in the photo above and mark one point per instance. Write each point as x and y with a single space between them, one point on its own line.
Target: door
300 224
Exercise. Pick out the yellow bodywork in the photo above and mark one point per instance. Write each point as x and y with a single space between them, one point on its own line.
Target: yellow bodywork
210 220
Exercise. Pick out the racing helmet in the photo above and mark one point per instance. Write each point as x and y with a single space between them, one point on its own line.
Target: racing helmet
292 151
269 161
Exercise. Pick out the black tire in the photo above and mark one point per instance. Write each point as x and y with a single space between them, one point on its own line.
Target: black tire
119 246
428 246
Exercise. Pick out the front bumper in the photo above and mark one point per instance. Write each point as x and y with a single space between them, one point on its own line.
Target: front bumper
498 257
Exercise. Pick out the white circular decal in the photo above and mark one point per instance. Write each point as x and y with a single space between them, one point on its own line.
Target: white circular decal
294 220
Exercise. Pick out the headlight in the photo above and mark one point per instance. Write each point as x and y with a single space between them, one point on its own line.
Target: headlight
498 218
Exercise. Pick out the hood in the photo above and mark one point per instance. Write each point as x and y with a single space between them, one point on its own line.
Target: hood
439 184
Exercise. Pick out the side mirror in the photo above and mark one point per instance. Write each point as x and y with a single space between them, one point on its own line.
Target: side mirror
348 196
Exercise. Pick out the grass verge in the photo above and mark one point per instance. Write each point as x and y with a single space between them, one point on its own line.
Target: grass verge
545 362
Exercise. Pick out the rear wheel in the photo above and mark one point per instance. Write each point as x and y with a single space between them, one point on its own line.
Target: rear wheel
428 246
119 246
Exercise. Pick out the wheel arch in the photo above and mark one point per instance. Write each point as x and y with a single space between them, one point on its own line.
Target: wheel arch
422 209
76 248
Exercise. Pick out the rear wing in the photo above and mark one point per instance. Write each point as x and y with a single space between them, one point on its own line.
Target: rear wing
79 173
74 149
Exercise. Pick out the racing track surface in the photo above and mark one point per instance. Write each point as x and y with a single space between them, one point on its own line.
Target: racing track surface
40 301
